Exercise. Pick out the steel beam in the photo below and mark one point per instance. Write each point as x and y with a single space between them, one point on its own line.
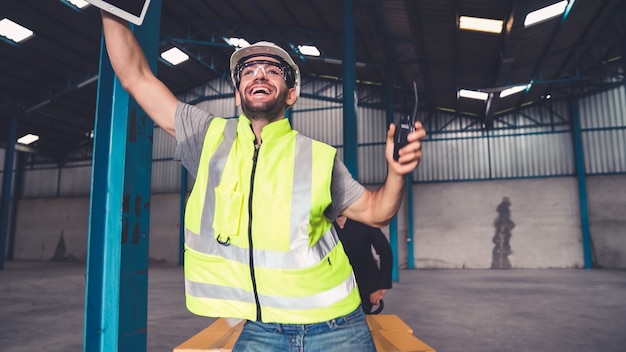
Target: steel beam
116 297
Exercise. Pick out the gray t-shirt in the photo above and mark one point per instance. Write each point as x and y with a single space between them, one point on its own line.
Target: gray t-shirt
191 126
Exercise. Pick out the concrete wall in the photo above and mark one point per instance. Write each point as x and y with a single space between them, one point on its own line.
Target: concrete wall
57 228
453 224
607 219
49 227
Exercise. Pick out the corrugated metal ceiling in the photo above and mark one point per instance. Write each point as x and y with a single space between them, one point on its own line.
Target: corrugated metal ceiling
415 40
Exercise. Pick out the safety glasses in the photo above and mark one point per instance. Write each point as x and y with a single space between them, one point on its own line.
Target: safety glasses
270 69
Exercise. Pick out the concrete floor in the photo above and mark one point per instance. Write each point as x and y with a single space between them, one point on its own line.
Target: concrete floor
42 304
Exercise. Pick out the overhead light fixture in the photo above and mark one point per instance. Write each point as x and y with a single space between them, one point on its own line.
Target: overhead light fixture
80 4
310 50
515 89
545 13
339 62
473 94
28 139
480 24
13 31
174 56
237 42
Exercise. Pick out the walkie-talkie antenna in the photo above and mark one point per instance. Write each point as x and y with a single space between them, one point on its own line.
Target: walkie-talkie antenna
414 117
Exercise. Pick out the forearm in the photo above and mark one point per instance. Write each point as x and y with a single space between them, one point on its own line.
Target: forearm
126 56
377 208
387 199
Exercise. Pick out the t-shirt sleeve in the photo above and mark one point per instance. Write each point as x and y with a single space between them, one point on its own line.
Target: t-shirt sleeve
191 126
344 190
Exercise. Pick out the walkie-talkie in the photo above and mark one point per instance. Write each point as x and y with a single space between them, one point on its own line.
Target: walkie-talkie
405 126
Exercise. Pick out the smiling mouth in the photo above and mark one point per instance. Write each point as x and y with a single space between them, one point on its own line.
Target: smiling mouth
260 90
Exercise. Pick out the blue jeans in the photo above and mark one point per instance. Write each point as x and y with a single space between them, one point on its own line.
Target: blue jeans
349 333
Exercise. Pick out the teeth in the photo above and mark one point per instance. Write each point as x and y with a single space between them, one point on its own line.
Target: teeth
260 90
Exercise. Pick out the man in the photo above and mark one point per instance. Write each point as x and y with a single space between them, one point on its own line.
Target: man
259 242
373 279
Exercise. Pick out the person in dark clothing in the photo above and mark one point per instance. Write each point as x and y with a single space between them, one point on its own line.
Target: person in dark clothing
358 240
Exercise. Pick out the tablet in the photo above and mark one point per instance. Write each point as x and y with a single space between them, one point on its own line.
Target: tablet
131 10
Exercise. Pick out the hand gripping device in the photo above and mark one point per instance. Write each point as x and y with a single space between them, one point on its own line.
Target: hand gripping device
405 126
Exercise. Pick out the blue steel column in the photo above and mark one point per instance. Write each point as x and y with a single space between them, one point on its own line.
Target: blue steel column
117 258
7 182
350 154
288 113
409 240
393 226
17 194
579 159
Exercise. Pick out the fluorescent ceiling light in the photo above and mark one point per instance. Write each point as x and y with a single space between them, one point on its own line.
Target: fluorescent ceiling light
472 94
237 42
309 50
513 90
480 24
545 13
14 31
174 56
81 4
28 139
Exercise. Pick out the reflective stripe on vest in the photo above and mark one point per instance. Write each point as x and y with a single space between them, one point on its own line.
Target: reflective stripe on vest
300 255
319 300
217 276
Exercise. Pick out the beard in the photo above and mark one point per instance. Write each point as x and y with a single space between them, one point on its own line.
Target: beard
267 110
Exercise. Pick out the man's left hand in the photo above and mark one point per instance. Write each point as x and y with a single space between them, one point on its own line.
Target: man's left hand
410 154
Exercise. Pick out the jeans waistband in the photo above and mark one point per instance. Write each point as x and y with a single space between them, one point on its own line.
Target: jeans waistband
356 315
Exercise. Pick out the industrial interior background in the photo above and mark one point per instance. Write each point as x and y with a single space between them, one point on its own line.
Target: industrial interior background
536 180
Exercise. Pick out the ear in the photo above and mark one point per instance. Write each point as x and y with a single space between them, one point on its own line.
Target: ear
291 96
237 97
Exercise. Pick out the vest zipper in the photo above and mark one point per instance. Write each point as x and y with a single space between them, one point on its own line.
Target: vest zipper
250 245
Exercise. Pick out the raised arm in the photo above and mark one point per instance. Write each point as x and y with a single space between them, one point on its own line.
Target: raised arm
131 67
378 208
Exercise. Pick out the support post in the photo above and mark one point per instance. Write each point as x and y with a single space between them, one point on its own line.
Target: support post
350 130
410 234
390 118
579 160
116 297
17 194
7 187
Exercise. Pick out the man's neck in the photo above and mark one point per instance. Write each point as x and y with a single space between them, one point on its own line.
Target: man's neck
259 123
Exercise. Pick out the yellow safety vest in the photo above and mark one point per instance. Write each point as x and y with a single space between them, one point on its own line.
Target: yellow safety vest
257 243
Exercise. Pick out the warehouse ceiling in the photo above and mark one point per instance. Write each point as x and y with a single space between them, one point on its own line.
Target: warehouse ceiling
49 82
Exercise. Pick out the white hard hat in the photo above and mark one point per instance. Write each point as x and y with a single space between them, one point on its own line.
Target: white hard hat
264 49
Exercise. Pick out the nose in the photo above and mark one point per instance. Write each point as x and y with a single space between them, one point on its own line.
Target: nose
261 70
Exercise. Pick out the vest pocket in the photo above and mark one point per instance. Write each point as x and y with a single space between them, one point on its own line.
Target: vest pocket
227 217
